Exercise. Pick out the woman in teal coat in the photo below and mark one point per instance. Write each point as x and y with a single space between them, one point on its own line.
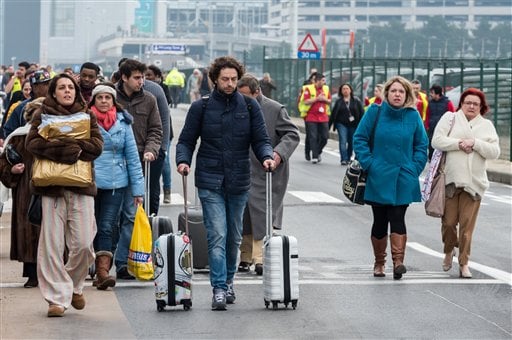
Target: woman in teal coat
394 163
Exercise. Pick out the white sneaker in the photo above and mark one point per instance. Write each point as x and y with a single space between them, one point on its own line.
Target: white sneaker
314 160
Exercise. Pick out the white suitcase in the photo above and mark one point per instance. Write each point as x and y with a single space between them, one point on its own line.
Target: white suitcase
173 271
173 266
280 262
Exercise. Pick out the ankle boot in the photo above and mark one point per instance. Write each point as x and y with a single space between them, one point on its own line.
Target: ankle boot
397 253
103 265
379 250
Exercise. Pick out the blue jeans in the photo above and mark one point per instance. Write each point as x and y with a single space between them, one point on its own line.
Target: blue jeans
222 214
345 137
127 219
166 170
107 204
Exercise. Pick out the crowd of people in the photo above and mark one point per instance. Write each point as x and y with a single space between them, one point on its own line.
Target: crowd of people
242 133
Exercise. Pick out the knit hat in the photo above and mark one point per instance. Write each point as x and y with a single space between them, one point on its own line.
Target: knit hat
103 89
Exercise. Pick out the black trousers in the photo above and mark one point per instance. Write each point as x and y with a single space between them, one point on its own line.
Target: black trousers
392 215
317 135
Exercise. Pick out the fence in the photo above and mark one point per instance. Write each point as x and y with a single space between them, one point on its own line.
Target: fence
494 77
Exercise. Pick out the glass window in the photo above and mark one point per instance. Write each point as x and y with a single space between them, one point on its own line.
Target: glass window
337 33
310 4
429 3
310 17
492 3
378 3
456 3
495 18
337 18
345 3
62 23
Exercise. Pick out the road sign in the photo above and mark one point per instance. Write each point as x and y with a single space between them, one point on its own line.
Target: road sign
308 55
308 44
167 49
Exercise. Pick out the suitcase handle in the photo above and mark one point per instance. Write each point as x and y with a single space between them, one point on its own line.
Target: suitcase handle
146 186
185 200
268 187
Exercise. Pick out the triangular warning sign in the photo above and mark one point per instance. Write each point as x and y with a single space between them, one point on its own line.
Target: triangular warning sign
308 44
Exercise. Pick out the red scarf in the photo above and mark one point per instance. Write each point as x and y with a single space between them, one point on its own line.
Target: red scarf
107 119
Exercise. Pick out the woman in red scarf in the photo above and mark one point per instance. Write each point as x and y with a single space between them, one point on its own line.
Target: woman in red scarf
118 170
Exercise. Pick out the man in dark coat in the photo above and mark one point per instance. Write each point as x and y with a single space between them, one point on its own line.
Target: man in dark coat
229 125
284 135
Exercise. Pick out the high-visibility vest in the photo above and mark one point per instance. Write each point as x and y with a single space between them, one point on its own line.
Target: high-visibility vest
304 108
424 101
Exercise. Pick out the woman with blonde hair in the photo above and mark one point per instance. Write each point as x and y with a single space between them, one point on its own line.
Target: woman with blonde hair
391 145
469 140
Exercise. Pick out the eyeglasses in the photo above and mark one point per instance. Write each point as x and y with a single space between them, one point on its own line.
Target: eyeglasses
471 103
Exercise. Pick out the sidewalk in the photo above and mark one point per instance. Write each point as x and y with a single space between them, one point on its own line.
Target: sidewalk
23 310
498 170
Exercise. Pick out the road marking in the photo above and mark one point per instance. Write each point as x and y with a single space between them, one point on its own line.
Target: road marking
470 312
321 282
498 274
315 197
502 199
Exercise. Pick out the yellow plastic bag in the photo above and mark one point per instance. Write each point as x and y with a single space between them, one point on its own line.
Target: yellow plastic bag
140 263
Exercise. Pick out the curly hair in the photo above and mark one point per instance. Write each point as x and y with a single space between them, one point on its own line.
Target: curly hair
484 107
222 63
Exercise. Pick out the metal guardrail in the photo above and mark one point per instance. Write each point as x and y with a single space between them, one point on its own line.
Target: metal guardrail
494 77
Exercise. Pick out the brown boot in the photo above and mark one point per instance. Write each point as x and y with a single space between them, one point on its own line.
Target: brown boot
103 264
379 250
397 253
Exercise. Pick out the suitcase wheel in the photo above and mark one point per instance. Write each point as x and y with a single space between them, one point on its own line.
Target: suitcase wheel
187 304
160 305
266 304
294 304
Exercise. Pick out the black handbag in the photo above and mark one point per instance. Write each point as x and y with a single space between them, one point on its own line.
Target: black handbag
35 210
12 156
354 181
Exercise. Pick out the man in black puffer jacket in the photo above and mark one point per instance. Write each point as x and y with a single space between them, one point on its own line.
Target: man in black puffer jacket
228 125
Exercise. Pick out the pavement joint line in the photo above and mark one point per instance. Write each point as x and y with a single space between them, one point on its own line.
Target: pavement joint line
495 273
316 282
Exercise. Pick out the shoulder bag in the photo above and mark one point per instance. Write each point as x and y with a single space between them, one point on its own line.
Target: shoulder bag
435 181
354 181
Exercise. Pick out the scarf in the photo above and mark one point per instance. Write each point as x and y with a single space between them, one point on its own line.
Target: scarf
107 119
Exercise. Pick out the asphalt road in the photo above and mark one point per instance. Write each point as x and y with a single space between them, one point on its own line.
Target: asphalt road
339 297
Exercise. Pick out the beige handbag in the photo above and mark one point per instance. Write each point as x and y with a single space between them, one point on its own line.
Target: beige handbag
46 172
434 206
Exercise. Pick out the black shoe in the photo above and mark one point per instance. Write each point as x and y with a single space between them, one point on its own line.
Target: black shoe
258 268
308 157
31 282
344 162
244 267
123 274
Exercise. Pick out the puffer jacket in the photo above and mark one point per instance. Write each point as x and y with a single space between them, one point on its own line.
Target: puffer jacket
228 127
118 165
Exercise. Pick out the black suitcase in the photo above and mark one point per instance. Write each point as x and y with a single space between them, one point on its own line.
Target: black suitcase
197 233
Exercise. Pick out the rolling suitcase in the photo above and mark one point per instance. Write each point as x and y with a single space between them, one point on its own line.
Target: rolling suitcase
173 268
280 262
197 233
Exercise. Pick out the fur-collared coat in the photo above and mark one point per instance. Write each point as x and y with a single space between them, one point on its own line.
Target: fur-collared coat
68 150
24 235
